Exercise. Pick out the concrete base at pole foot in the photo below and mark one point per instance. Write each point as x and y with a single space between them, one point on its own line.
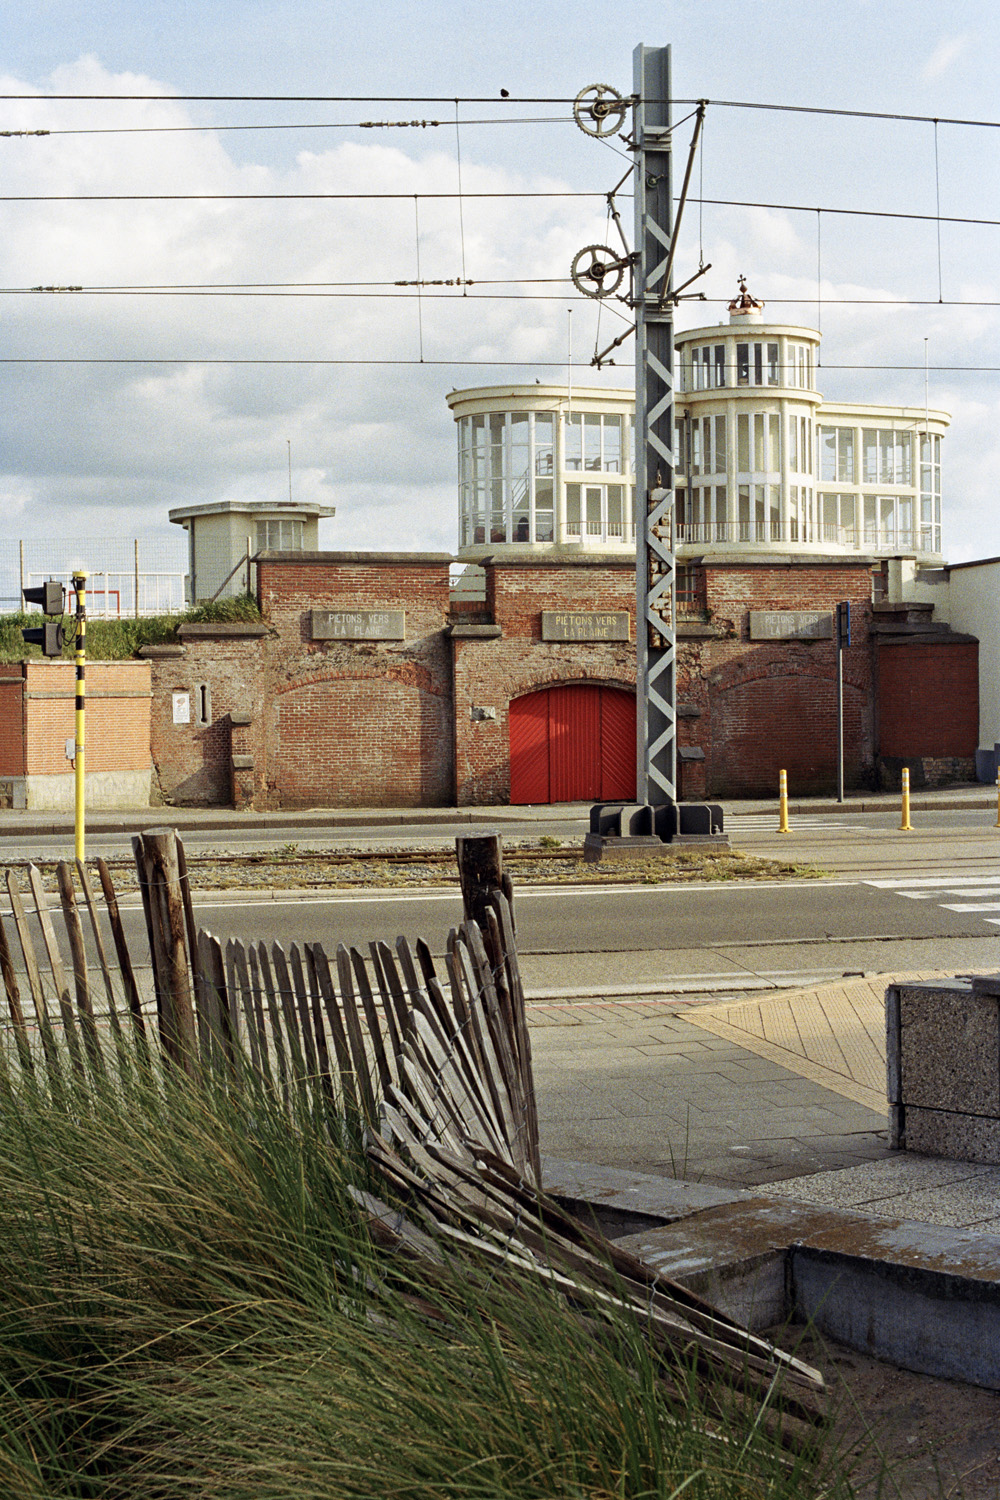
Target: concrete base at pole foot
621 829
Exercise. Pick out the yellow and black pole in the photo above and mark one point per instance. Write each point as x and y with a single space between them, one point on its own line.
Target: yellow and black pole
80 585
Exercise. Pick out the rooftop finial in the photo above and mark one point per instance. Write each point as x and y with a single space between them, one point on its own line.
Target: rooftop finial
744 303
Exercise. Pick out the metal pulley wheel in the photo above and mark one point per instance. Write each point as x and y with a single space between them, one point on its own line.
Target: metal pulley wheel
597 271
599 110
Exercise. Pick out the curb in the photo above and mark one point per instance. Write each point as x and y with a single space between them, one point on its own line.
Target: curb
218 820
918 1295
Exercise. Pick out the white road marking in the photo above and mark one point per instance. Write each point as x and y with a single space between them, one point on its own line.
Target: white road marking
940 882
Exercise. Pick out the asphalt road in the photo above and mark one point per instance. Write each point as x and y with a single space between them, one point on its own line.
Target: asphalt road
611 919
675 939
672 939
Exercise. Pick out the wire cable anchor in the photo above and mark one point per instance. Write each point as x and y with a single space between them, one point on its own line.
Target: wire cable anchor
598 271
600 110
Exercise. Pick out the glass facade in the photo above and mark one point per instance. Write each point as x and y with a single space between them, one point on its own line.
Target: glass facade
515 471
760 460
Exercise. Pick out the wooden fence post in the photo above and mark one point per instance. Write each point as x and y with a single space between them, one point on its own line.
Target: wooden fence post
158 865
481 875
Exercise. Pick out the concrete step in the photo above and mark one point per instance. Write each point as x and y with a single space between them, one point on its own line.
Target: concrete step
922 1296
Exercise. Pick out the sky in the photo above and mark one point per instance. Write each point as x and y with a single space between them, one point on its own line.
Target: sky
233 334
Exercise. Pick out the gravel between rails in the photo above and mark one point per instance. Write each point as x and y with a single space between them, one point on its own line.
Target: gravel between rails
294 868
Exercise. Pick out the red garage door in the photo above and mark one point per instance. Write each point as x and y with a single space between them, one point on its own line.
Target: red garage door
572 744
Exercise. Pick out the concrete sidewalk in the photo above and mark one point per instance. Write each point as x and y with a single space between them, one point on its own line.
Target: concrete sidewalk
780 1089
740 1149
208 819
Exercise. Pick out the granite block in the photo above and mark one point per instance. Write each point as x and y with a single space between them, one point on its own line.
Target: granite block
949 1050
938 1132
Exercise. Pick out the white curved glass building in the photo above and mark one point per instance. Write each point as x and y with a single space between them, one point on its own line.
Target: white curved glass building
764 463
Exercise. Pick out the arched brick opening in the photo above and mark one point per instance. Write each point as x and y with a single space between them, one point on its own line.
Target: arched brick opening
572 743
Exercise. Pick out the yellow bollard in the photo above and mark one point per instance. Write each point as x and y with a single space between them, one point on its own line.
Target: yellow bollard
905 825
783 802
998 800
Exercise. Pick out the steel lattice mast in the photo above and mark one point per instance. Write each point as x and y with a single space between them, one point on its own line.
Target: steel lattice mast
655 460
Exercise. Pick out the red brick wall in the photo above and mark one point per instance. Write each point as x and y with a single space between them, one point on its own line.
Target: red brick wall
928 699
766 706
357 723
193 761
12 720
489 673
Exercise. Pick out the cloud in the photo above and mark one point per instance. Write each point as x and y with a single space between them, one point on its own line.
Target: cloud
310 288
335 346
948 50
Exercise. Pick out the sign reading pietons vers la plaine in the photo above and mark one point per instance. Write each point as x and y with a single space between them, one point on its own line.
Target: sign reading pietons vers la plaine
358 624
790 625
587 625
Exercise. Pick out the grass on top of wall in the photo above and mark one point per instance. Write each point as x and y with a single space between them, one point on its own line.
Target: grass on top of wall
120 640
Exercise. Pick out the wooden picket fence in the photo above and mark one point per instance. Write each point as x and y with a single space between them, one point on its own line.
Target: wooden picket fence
432 1072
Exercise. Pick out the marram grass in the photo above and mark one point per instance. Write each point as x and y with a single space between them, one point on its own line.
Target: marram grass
190 1307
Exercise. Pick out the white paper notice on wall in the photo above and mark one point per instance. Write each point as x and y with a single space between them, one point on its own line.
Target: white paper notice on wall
182 708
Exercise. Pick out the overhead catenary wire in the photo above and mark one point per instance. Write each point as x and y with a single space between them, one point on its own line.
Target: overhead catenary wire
516 364
802 208
449 99
295 125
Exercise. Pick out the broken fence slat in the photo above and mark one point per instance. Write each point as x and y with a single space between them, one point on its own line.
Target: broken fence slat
238 982
482 999
355 1036
304 1013
388 1009
49 1046
274 1015
521 1036
319 1024
478 1032
286 1005
81 978
335 1021
501 1025
13 994
56 965
375 1037
457 1040
394 990
102 956
132 996
255 1014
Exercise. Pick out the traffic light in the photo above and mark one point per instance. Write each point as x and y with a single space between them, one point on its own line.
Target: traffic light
52 598
844 623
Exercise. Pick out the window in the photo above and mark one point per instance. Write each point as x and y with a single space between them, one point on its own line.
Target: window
279 536
596 511
836 454
930 492
593 441
887 456
838 519
690 590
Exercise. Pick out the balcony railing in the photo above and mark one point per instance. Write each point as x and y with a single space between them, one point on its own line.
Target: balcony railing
865 539
602 531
